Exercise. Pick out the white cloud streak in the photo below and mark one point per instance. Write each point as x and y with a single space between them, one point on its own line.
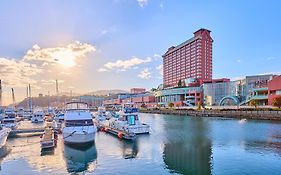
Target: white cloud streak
142 3
123 65
145 74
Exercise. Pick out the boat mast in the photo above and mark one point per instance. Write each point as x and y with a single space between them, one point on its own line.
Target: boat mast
30 99
13 96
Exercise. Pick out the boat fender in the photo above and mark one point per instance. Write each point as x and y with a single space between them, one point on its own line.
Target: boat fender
120 135
105 129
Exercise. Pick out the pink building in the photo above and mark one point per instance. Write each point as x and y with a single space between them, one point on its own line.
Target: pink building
137 90
190 59
274 89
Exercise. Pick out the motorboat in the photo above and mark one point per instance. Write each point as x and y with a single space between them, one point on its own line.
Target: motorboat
38 116
78 124
27 114
4 132
101 114
9 119
128 121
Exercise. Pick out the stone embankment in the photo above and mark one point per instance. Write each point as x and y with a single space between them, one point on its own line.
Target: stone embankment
239 114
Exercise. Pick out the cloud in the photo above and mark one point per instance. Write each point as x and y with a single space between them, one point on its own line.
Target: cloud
142 3
65 73
123 65
50 82
102 70
17 73
145 74
161 5
66 56
238 61
160 68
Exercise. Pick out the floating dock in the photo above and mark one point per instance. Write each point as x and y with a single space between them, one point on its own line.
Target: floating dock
120 134
48 139
26 131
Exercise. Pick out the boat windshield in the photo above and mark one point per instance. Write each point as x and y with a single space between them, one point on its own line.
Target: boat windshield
131 119
71 123
76 106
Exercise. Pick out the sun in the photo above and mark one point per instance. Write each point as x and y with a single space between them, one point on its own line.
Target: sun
65 58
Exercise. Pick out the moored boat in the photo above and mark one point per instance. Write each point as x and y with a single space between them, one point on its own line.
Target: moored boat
4 132
38 117
78 124
128 121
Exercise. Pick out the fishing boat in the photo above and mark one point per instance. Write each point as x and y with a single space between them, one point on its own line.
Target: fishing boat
128 121
38 116
78 124
4 132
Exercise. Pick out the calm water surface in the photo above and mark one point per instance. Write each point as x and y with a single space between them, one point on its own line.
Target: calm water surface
176 145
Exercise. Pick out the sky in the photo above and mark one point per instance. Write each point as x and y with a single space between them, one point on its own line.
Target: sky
90 45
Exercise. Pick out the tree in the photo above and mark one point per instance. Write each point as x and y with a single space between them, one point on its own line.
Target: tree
171 104
143 105
179 83
253 103
277 102
199 105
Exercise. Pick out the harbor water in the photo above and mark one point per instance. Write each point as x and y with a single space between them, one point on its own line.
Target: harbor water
176 145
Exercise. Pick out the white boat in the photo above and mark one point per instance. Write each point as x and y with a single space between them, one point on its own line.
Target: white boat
9 119
4 132
37 117
101 114
128 121
78 124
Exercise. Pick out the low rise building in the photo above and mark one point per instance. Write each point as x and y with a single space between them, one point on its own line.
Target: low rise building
274 89
221 92
93 101
181 96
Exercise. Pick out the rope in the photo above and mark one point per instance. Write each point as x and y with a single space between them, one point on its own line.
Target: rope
69 135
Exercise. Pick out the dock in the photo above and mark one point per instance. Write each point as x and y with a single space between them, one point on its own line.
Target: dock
120 134
27 131
48 139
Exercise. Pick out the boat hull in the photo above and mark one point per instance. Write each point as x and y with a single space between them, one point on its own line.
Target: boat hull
78 135
3 136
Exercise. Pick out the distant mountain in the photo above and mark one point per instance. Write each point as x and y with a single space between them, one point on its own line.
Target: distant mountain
107 92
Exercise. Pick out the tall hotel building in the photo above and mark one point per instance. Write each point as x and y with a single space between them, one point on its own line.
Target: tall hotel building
190 59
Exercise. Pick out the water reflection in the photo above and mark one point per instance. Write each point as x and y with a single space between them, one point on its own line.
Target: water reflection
4 151
129 149
79 158
188 150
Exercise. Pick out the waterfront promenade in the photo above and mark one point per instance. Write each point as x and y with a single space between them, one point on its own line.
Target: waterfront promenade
239 114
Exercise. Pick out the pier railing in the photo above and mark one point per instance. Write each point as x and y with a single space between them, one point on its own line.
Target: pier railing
258 114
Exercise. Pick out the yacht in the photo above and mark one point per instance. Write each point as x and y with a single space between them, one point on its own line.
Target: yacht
4 132
9 118
101 114
128 121
78 124
38 117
